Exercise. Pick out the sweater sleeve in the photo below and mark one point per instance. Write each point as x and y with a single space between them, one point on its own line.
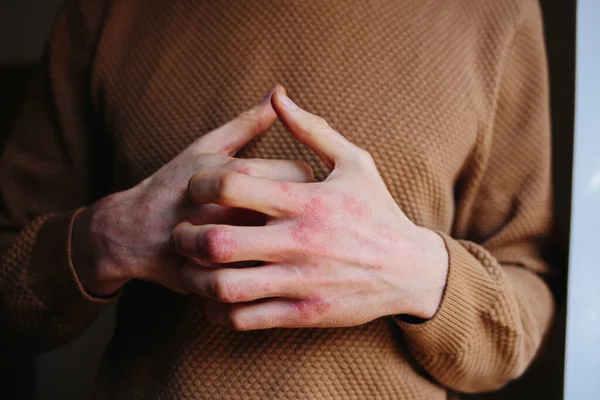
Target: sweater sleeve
497 306
45 177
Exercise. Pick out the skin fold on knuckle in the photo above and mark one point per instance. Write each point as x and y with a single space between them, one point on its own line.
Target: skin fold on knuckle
319 124
310 312
201 162
217 244
237 321
252 119
221 289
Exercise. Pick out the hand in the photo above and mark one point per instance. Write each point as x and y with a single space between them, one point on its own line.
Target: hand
335 253
126 235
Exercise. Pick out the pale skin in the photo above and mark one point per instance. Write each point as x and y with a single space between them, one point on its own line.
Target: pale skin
261 243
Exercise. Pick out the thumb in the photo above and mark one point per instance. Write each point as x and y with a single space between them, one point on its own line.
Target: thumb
235 134
313 131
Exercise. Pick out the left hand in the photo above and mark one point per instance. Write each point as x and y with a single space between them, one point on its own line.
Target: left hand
334 253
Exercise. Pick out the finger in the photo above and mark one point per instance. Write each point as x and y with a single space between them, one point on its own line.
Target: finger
235 134
232 189
216 214
240 285
226 244
279 170
269 313
314 132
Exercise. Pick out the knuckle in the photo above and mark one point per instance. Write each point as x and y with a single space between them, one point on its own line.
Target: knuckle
218 245
192 182
249 117
194 178
177 238
205 161
363 157
227 185
306 170
320 124
220 289
242 167
237 322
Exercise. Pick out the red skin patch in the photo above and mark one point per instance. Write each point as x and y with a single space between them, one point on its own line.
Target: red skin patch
220 245
284 187
355 208
243 170
307 231
285 190
311 307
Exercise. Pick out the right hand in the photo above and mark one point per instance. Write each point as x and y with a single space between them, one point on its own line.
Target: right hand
127 235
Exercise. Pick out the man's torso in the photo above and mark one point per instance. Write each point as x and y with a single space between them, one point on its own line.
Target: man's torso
412 82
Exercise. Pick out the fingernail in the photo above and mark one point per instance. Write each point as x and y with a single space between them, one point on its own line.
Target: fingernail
287 102
279 88
268 96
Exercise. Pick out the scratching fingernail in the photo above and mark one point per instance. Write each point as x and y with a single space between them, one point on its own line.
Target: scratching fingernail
287 102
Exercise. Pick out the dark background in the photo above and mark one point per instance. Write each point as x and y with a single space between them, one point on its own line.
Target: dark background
68 373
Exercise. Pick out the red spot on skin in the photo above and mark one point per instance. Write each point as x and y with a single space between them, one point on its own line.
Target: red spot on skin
243 170
220 245
315 208
355 208
301 233
310 308
284 187
309 231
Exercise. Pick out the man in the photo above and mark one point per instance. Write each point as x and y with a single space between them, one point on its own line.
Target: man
409 267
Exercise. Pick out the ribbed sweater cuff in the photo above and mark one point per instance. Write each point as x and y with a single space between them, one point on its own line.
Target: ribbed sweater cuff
470 292
51 273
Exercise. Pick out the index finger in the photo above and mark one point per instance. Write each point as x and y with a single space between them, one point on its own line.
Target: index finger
235 134
314 131
232 189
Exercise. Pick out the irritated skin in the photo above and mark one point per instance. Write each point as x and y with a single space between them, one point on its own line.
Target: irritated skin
333 253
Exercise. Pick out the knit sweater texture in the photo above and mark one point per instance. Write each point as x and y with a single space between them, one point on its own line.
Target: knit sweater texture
449 96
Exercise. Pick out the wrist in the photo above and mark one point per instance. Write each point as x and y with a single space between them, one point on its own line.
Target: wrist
433 269
98 272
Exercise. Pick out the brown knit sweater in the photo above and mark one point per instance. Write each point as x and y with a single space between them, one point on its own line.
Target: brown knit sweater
450 98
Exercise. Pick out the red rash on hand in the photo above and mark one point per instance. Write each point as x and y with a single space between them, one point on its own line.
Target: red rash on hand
308 228
284 187
220 245
355 208
286 191
309 308
243 170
